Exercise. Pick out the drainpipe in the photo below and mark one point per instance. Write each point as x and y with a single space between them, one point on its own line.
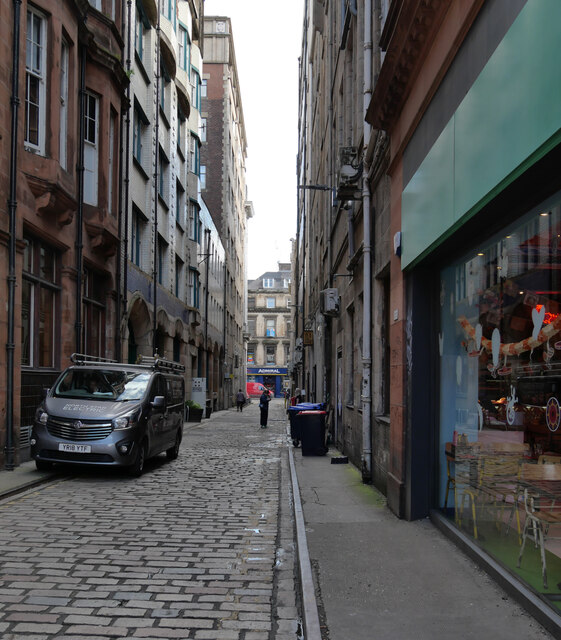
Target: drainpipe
156 190
207 295
124 201
12 207
367 261
80 212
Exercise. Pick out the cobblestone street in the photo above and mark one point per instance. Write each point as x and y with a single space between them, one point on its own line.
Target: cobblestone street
201 547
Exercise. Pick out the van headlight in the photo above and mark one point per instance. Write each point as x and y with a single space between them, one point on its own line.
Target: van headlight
127 421
41 416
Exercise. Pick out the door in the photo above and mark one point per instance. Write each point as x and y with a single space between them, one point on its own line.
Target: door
156 417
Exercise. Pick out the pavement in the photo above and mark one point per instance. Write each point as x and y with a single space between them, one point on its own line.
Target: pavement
365 574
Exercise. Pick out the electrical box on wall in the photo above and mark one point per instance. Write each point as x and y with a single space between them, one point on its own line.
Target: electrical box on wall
329 302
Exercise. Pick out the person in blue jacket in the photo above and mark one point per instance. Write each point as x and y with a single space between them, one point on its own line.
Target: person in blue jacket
264 400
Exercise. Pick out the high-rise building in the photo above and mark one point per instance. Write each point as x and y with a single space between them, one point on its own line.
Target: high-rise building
174 256
223 186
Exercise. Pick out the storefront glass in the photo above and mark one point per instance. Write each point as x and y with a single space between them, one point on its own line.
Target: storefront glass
500 394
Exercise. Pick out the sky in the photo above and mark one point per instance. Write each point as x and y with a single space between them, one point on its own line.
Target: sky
267 42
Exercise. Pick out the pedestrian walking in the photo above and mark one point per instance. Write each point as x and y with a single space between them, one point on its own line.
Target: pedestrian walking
240 400
264 400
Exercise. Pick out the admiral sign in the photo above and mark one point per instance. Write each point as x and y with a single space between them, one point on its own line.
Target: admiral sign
267 371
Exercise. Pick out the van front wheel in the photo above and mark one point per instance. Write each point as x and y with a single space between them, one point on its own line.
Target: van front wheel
137 467
173 452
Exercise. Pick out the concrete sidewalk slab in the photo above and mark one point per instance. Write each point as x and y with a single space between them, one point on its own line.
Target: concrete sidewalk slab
382 578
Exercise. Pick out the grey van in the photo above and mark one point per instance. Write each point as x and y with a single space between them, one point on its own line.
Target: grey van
100 412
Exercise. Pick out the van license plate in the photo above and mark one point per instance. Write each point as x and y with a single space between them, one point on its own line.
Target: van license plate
75 448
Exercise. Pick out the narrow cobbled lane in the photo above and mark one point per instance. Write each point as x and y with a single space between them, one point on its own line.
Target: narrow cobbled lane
199 548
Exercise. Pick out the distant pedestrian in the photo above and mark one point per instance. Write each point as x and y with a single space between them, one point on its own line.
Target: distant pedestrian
264 400
240 400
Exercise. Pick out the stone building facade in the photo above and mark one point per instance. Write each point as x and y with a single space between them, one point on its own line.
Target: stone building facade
223 189
63 89
269 328
172 252
342 252
443 342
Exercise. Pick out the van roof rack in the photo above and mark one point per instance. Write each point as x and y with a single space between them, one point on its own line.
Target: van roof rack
162 364
83 358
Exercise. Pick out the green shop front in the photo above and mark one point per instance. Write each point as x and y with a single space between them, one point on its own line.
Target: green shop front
481 250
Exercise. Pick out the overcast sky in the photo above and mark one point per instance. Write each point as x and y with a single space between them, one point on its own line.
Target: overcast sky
267 40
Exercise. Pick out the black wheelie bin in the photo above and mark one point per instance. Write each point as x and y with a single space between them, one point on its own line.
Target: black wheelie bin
295 420
312 425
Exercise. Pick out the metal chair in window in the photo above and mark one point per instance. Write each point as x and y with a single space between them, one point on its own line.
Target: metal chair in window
499 489
542 512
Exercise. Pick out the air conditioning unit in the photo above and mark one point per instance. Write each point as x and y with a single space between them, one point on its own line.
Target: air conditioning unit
329 302
350 169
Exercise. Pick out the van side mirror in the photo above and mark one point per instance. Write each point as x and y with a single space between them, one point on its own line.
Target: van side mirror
45 392
159 403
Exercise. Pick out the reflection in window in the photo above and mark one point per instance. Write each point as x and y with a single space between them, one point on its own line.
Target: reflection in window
500 392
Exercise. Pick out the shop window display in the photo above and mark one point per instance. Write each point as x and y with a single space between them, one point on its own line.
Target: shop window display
500 397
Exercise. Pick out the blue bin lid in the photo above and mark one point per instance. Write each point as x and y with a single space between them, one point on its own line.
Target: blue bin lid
309 405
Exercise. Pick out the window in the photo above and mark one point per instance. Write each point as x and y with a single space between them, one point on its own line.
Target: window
63 115
91 149
270 303
136 236
193 296
270 354
251 326
251 303
179 203
194 145
194 222
178 277
251 354
35 82
139 127
163 167
140 26
181 133
195 89
137 137
40 316
203 88
270 328
184 49
162 261
268 283
96 4
168 7
93 334
286 283
165 93
202 176
202 129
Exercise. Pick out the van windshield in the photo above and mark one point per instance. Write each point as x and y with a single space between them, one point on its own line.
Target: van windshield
102 384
